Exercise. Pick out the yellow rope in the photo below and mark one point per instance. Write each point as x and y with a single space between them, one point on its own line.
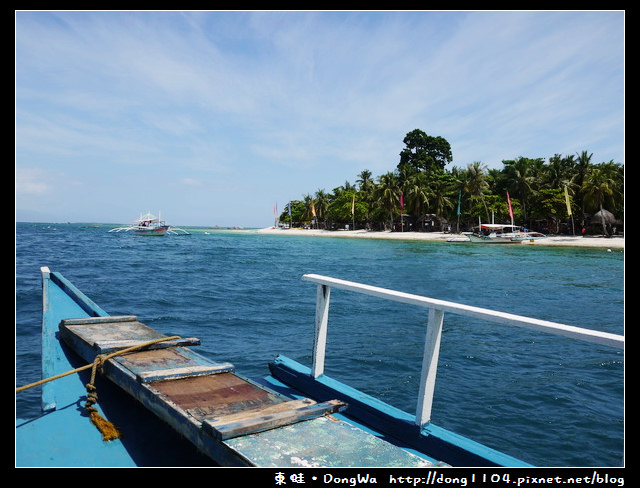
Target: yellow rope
108 430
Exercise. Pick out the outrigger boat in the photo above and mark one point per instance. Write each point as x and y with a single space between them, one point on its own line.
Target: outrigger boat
174 407
502 234
150 225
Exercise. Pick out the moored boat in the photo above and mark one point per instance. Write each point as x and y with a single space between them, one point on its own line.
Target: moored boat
149 225
502 234
153 387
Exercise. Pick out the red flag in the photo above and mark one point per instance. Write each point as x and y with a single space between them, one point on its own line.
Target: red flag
510 210
402 201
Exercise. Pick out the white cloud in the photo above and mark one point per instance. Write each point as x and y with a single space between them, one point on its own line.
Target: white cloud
191 182
30 181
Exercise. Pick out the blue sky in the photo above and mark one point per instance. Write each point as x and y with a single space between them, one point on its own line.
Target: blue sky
212 117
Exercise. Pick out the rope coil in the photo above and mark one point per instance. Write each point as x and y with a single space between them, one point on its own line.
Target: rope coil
107 429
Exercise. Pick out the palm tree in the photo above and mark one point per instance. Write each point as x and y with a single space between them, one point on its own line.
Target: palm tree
458 186
522 173
559 172
476 184
416 193
443 190
366 187
388 192
599 185
321 204
583 164
309 208
365 182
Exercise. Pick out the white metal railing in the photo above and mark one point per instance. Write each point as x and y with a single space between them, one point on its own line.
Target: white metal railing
437 308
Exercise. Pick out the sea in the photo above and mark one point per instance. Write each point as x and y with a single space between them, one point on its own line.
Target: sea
547 400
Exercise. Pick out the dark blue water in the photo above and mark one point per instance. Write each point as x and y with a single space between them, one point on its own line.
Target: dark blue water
547 400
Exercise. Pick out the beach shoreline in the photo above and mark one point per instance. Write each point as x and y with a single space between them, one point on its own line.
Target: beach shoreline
616 242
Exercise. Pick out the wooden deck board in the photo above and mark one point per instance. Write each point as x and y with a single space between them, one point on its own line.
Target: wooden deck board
323 441
98 329
215 395
159 364
266 418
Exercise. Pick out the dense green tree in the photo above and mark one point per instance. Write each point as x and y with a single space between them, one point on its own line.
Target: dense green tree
550 204
425 153
343 206
293 213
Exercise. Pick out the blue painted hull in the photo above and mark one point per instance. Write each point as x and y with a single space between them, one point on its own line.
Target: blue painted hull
64 436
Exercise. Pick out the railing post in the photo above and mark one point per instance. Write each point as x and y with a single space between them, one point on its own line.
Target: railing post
429 366
322 320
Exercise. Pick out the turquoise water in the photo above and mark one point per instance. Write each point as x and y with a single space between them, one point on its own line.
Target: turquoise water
547 400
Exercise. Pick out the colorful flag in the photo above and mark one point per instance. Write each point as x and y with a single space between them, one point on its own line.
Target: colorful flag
566 197
353 205
402 202
313 209
510 210
459 197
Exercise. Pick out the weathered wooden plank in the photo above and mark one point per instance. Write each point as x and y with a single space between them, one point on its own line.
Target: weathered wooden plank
160 361
251 422
107 347
215 395
174 373
164 364
271 409
101 320
85 336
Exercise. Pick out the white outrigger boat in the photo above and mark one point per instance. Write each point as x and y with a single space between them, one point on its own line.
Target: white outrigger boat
502 234
150 225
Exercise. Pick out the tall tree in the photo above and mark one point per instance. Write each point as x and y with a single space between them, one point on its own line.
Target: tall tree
476 183
600 186
583 164
366 187
365 181
416 195
388 193
424 152
321 205
309 208
444 194
522 174
558 173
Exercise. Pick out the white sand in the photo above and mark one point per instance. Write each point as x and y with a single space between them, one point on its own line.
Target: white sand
576 241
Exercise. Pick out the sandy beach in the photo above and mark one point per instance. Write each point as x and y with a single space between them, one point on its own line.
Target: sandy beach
616 242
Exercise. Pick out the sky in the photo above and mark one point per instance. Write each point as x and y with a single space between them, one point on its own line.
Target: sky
216 118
